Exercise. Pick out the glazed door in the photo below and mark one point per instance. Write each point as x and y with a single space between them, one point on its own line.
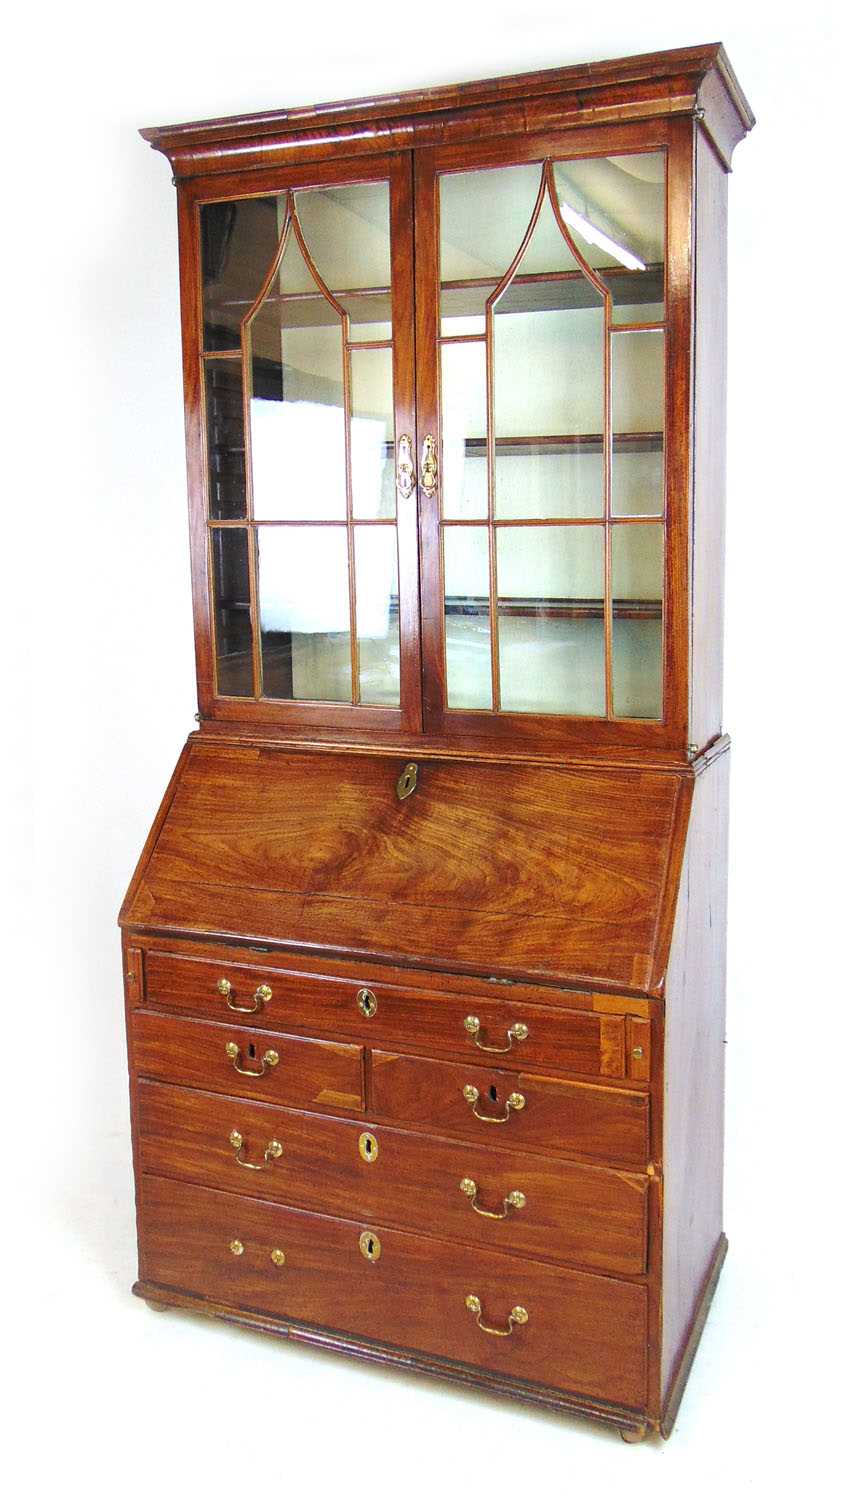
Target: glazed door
300 382
542 332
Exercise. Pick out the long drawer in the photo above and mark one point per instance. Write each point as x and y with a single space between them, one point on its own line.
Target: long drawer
567 1329
523 1109
494 1198
266 1065
375 1012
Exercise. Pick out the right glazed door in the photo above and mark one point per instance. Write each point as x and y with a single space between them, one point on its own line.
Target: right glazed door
542 341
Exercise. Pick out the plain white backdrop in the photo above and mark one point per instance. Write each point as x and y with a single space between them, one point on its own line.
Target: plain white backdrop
102 1395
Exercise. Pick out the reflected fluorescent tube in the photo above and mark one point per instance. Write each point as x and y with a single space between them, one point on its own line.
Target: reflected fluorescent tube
602 241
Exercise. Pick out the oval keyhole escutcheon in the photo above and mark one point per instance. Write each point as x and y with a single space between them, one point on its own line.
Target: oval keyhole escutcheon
408 780
370 1245
368 1146
366 1002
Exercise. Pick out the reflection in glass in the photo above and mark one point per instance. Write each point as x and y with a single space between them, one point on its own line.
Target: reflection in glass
372 433
225 439
233 632
483 217
467 616
550 610
348 233
377 614
621 198
304 612
297 427
637 413
238 241
637 574
463 469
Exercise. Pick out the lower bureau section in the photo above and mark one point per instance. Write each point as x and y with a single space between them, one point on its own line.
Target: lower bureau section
566 1329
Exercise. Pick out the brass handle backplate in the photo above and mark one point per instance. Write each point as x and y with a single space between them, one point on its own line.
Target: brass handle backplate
429 467
269 1059
514 1101
516 1033
514 1199
516 1315
260 998
406 477
272 1151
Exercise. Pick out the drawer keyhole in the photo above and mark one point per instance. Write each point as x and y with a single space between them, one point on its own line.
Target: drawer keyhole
368 1146
492 1092
370 1245
251 1049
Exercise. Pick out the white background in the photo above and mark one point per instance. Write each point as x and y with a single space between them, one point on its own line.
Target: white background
99 695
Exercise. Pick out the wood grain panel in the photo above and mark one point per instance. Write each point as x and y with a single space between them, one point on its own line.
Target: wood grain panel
584 1332
321 1075
583 1215
564 1041
607 1124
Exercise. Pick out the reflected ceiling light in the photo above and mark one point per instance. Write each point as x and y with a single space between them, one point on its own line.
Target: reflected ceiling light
595 236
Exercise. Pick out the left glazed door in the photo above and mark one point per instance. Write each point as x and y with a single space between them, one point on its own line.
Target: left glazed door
299 372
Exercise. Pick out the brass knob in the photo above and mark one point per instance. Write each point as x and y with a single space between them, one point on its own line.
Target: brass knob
264 992
278 1257
224 988
637 1052
236 1247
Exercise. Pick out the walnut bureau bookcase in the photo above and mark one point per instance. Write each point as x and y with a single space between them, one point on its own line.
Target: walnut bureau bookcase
424 955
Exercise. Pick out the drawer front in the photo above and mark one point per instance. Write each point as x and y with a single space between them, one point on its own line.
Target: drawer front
583 1333
570 1041
584 1215
520 1109
258 1064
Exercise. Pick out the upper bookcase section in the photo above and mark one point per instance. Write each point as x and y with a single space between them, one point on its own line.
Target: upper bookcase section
687 80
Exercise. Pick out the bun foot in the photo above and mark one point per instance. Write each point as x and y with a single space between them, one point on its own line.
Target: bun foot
633 1434
156 1306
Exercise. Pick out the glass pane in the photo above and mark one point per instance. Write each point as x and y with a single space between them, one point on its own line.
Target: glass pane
464 469
483 217
372 433
615 205
238 242
348 233
233 631
550 619
377 614
637 574
225 439
304 610
297 425
637 410
467 611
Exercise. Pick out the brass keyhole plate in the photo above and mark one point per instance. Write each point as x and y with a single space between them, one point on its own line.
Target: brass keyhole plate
370 1245
366 1002
407 781
368 1146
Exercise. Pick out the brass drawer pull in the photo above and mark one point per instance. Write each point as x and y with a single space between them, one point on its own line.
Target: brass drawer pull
514 1199
272 1150
516 1033
514 1101
269 1059
260 998
516 1315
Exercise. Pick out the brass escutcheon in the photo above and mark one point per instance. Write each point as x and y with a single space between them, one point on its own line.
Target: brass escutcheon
368 1146
428 467
408 780
367 1003
370 1245
406 477
236 1247
278 1257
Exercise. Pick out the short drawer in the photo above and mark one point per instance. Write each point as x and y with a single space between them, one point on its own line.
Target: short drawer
521 1109
473 1026
267 1065
567 1329
498 1199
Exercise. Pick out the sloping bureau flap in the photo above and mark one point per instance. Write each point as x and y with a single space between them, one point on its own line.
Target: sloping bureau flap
524 870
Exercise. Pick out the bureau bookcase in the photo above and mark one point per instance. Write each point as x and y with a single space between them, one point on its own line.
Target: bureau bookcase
424 955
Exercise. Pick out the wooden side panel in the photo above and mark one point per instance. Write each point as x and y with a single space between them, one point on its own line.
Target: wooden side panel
694 1067
709 452
529 870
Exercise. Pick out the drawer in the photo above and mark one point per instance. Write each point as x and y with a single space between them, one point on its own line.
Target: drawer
586 1215
583 1333
570 1041
524 1109
259 1064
